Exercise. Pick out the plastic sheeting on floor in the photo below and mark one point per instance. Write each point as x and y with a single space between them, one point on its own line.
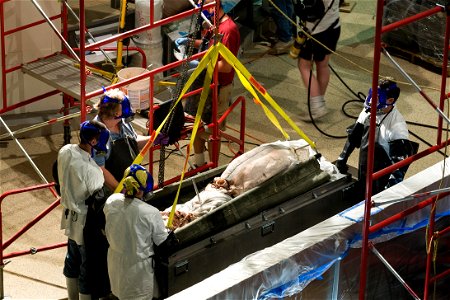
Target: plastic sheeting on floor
287 268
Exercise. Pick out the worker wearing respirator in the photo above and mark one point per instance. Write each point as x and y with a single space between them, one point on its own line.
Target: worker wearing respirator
391 138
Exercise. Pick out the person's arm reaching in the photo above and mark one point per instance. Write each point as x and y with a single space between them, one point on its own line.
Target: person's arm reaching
110 181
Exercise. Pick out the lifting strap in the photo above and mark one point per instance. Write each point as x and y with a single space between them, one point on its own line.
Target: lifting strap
178 88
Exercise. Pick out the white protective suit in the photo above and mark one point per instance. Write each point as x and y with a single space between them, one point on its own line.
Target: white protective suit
393 127
79 177
132 226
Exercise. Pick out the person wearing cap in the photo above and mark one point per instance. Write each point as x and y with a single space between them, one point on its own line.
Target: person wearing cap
132 228
80 179
392 142
114 110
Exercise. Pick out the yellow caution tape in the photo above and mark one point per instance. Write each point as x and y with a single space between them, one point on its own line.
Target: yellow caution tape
209 61
238 66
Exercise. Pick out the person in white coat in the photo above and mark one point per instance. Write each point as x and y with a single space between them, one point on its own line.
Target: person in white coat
79 178
132 228
392 142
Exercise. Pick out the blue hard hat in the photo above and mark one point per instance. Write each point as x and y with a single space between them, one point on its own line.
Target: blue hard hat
102 141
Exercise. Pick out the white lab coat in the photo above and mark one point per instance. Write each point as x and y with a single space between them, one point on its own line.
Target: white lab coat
132 226
79 177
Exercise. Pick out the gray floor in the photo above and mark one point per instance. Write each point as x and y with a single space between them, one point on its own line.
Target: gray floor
39 276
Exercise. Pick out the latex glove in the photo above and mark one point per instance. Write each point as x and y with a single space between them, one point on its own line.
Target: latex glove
193 64
162 139
183 41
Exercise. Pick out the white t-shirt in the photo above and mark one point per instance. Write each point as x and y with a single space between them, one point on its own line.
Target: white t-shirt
393 127
330 17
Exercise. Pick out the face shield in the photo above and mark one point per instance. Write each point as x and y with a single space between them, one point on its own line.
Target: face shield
381 100
207 15
102 141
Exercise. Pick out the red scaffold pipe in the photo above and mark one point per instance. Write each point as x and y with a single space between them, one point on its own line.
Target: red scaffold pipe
411 19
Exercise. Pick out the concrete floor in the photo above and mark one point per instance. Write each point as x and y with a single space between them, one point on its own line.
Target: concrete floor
40 276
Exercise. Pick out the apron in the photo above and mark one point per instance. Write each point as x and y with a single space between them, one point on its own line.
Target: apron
381 159
123 152
96 246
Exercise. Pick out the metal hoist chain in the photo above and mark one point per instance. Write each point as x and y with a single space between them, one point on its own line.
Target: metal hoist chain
178 88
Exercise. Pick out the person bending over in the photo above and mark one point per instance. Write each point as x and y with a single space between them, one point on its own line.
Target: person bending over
392 142
132 229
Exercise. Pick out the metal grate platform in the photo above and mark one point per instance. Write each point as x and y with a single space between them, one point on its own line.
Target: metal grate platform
59 71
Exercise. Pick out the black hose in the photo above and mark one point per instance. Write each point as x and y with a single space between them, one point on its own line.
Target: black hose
361 98
310 114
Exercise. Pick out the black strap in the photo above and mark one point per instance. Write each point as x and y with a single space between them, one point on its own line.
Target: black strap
317 23
122 155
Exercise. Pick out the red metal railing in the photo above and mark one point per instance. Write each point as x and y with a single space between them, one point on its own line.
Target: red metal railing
367 229
68 102
14 237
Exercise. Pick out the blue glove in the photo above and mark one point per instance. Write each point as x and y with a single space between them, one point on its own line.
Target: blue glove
181 41
193 64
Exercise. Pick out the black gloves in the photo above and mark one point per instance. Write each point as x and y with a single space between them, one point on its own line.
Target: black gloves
355 133
399 150
341 162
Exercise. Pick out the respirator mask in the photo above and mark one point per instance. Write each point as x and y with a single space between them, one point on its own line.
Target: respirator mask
386 90
127 111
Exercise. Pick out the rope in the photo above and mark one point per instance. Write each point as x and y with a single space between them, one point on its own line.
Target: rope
334 52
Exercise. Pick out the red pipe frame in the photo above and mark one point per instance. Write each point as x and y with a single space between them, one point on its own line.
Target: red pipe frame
83 97
4 245
379 29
